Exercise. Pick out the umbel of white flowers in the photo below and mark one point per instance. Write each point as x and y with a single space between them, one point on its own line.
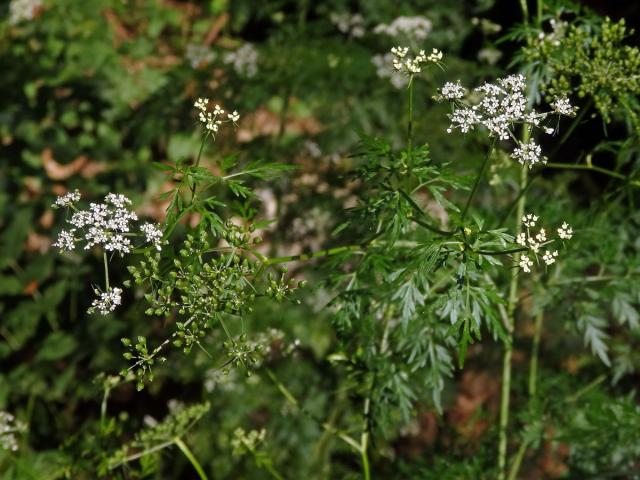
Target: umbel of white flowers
212 119
110 226
502 106
107 224
534 242
413 65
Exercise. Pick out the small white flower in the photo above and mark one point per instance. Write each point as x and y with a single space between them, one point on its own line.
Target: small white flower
106 301
549 130
521 239
435 56
153 234
9 426
201 104
565 232
562 106
412 66
528 154
213 119
541 236
525 263
533 245
66 240
529 220
21 10
452 91
549 257
67 199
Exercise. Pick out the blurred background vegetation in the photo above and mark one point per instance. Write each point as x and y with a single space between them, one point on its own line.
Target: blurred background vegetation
94 92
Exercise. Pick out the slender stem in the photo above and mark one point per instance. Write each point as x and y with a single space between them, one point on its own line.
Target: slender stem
308 256
274 473
418 210
501 252
525 10
533 372
194 461
141 454
364 441
540 5
106 271
410 123
508 350
535 348
477 181
517 461
585 389
193 187
366 473
588 166
293 401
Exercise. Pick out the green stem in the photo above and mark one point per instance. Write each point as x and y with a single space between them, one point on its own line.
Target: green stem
500 252
582 391
187 453
517 461
197 164
533 374
364 441
418 210
366 473
477 181
535 348
410 123
588 166
308 256
540 5
525 10
508 351
106 271
274 473
293 401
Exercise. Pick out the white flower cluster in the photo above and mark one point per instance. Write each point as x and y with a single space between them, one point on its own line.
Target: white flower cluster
152 234
199 55
107 301
21 10
413 28
106 224
534 243
413 65
562 106
503 105
9 426
565 232
244 60
452 91
67 199
213 119
351 25
384 69
528 154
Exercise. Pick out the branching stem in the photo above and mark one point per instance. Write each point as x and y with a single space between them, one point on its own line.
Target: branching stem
194 461
477 181
508 349
106 271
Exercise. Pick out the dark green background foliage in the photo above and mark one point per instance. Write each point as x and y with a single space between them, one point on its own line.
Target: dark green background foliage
395 334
